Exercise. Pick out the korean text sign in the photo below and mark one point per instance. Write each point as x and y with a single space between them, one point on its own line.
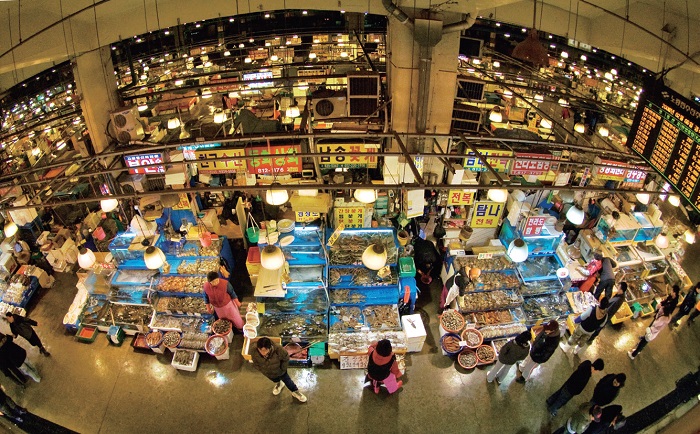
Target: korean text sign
533 226
274 159
487 214
474 164
135 163
350 216
228 164
460 197
531 164
335 157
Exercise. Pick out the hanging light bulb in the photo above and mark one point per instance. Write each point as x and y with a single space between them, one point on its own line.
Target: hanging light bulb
10 228
219 117
604 131
86 258
292 112
689 236
562 102
154 258
227 53
564 55
206 94
497 195
546 123
496 64
674 200
173 123
274 58
365 195
507 94
580 127
276 197
248 60
495 115
575 214
539 98
312 55
643 198
517 250
109 205
661 241
374 257
271 258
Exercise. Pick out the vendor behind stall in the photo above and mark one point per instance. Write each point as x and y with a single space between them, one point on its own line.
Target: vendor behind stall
219 295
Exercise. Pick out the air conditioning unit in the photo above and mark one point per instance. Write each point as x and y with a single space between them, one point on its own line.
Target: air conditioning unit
363 94
133 183
126 124
465 118
329 107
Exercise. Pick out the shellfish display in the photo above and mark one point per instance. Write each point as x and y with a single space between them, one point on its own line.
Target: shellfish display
193 341
171 339
486 354
498 299
494 280
467 359
187 284
359 342
346 318
493 264
293 325
546 307
348 248
497 331
184 358
191 305
347 296
382 317
186 324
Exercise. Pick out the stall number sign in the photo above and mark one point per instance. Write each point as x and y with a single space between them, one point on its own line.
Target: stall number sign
533 226
335 157
474 164
274 159
135 163
228 163
305 216
354 362
460 197
529 166
485 256
487 214
350 217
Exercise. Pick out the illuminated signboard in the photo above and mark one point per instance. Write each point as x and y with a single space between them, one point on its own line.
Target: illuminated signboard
472 162
228 163
530 164
610 170
135 163
487 214
666 133
189 151
274 159
335 157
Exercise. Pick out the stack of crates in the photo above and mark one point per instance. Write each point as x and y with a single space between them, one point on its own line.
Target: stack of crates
252 263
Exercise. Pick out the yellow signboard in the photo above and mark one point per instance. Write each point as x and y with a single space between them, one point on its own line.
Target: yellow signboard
487 214
349 216
473 163
334 237
229 164
335 157
461 197
184 202
305 216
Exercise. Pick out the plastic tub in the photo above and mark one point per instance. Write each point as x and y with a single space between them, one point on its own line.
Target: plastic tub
169 340
451 337
407 268
252 318
486 360
250 331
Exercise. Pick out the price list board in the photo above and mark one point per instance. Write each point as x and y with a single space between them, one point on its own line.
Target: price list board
666 133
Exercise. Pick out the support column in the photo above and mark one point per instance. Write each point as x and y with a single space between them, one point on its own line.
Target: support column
97 89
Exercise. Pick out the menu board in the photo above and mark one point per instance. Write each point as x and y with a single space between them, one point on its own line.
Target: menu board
666 133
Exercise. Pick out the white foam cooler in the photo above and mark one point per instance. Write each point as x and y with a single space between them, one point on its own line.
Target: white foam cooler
415 332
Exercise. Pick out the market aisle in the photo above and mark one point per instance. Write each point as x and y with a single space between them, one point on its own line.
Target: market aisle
98 388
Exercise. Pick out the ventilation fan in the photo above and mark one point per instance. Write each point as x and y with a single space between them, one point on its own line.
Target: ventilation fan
127 126
329 107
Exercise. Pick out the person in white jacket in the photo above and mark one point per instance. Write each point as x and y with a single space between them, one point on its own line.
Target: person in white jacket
661 320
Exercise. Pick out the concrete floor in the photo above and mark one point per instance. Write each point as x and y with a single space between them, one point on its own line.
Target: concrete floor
97 387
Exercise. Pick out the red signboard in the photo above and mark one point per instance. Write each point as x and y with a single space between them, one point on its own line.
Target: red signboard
274 159
533 226
612 171
530 164
135 163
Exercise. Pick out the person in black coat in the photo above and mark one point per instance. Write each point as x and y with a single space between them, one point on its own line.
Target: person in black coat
543 347
10 409
22 326
13 361
574 385
607 278
611 419
686 307
608 388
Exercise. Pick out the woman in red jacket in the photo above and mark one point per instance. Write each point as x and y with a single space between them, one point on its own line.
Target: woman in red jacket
382 367
219 294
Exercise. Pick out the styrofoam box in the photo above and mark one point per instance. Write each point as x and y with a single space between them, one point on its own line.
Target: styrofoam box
415 336
190 368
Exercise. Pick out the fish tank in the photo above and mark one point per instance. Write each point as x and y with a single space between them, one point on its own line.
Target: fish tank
539 268
299 299
187 324
182 248
631 272
361 277
650 228
626 229
495 263
493 280
546 307
352 242
544 244
627 255
294 325
304 274
541 287
504 316
127 249
492 300
656 268
638 290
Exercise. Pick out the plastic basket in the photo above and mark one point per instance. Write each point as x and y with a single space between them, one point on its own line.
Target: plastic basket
474 331
450 336
458 316
407 268
462 362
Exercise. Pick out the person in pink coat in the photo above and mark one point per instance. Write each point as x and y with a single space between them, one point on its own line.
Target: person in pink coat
661 320
382 367
220 296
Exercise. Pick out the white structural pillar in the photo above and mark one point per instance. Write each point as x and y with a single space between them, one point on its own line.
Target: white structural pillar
97 88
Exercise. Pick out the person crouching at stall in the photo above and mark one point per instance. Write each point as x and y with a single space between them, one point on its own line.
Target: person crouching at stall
382 367
219 295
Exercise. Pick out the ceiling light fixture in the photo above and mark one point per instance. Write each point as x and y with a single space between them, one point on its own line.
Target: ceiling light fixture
575 214
517 250
374 257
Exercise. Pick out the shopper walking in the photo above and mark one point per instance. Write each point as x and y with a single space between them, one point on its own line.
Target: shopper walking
382 367
607 278
511 353
13 361
661 319
219 295
688 304
615 303
694 314
574 385
581 419
22 326
9 408
588 323
272 360
542 349
611 419
608 388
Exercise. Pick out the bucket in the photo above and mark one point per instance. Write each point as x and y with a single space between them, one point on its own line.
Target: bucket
253 234
252 319
99 234
217 346
250 331
205 239
450 344
466 233
403 237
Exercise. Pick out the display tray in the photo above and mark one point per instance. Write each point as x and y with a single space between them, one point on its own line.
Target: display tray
183 323
495 280
362 296
627 255
304 255
193 266
304 274
357 343
541 287
348 248
297 300
360 277
382 317
539 268
501 331
181 305
505 316
496 263
346 319
580 301
20 295
294 325
492 300
546 307
133 277
181 285
190 248
639 290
